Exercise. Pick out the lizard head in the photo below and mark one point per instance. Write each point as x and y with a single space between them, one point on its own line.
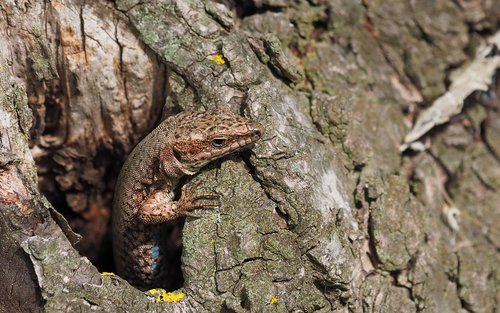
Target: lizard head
202 137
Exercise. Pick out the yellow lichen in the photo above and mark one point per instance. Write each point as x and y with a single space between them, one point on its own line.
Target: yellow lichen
162 296
173 297
218 58
274 300
212 242
107 274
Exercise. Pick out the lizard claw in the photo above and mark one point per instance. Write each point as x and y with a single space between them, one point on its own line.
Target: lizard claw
186 208
202 205
190 188
190 201
206 196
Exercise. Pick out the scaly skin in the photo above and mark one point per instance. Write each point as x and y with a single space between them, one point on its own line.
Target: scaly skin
180 145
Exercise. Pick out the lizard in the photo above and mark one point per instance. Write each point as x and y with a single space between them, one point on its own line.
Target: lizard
144 194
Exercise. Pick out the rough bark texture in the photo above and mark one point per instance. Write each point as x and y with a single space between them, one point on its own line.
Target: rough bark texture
324 214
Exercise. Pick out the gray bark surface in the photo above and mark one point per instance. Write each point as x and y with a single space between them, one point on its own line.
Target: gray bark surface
325 214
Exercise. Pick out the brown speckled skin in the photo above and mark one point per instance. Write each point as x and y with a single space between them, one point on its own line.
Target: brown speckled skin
180 145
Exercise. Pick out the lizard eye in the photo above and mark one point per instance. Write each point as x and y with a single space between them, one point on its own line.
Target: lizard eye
218 142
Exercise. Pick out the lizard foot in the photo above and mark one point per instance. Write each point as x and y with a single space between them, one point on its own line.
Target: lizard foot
189 201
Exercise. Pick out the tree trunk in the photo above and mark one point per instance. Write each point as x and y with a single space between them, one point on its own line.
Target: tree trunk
324 214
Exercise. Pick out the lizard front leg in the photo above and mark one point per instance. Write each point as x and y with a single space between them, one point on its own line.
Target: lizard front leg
159 207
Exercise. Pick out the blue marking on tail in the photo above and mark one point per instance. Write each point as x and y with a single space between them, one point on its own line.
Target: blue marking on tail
154 266
155 251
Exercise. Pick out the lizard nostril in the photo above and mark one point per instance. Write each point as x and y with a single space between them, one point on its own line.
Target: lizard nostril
256 128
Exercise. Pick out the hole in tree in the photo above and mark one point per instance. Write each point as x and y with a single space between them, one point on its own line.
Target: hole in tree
88 211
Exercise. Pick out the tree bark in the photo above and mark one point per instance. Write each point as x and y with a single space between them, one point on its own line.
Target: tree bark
324 214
